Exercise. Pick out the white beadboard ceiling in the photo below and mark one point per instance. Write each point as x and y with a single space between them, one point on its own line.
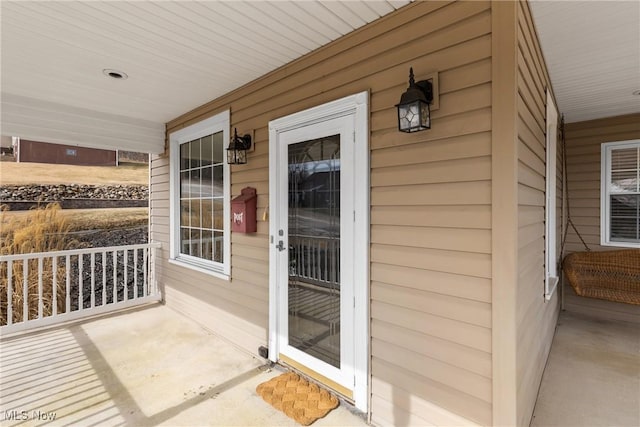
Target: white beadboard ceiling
181 54
178 55
592 51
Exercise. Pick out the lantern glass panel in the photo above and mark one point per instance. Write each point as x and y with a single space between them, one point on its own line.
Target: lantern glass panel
236 156
414 116
425 117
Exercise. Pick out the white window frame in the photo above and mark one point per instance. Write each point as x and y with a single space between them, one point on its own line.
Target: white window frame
551 261
218 123
605 204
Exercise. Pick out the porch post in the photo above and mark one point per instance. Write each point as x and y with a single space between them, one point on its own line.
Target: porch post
504 211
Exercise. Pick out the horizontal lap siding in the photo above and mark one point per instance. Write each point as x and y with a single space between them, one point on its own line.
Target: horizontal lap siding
430 210
584 141
431 244
535 318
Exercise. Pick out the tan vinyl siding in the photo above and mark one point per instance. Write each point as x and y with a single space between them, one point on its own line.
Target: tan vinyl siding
583 173
583 141
430 213
535 318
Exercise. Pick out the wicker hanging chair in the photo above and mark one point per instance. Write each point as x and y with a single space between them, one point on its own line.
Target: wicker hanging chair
608 275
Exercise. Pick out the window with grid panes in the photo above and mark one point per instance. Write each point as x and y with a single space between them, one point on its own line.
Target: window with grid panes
200 196
620 224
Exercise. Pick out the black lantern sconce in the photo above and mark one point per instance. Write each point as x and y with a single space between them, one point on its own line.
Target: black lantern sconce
413 110
237 151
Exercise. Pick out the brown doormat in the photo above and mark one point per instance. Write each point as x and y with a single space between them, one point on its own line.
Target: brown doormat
303 401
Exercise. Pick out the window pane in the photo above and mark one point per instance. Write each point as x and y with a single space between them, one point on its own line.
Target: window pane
195 213
207 245
195 243
206 150
218 246
184 156
625 218
218 181
185 185
194 183
206 181
185 243
624 158
218 214
218 148
207 213
185 213
624 181
195 153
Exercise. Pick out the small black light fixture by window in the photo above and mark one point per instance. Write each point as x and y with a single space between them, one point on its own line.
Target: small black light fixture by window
413 110
237 151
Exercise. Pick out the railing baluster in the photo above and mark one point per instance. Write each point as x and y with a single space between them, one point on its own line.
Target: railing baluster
25 290
311 260
67 290
9 292
153 256
54 285
326 262
40 308
126 274
145 267
115 277
80 282
135 273
316 271
93 279
301 269
104 278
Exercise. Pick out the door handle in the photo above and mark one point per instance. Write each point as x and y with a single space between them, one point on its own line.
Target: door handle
280 246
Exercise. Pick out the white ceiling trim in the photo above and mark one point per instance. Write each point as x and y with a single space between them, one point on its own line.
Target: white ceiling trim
39 120
592 51
182 54
178 55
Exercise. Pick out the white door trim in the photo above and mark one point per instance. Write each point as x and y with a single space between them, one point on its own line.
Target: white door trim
358 106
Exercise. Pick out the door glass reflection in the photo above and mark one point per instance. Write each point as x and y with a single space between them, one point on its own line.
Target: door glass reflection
314 248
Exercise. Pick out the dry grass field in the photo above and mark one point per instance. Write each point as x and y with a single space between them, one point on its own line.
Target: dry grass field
87 219
40 173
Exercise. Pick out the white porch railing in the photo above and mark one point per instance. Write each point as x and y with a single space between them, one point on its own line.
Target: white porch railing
315 259
51 287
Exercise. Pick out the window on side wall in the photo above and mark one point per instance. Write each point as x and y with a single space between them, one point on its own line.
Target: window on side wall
551 259
620 194
199 192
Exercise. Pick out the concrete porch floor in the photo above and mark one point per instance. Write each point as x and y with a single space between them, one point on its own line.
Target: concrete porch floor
146 367
592 376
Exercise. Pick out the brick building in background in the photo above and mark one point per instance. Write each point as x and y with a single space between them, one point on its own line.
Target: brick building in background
42 152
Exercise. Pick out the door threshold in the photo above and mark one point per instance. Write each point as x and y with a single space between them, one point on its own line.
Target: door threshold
344 392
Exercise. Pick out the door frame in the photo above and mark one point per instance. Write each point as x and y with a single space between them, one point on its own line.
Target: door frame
356 105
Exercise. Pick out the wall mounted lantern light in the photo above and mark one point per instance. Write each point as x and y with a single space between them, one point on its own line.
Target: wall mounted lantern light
413 110
237 151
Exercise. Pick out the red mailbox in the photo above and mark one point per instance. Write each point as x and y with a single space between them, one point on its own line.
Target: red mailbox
243 211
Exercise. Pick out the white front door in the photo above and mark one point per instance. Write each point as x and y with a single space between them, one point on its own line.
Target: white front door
315 266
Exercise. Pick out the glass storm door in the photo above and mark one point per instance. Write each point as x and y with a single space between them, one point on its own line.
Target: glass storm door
315 185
